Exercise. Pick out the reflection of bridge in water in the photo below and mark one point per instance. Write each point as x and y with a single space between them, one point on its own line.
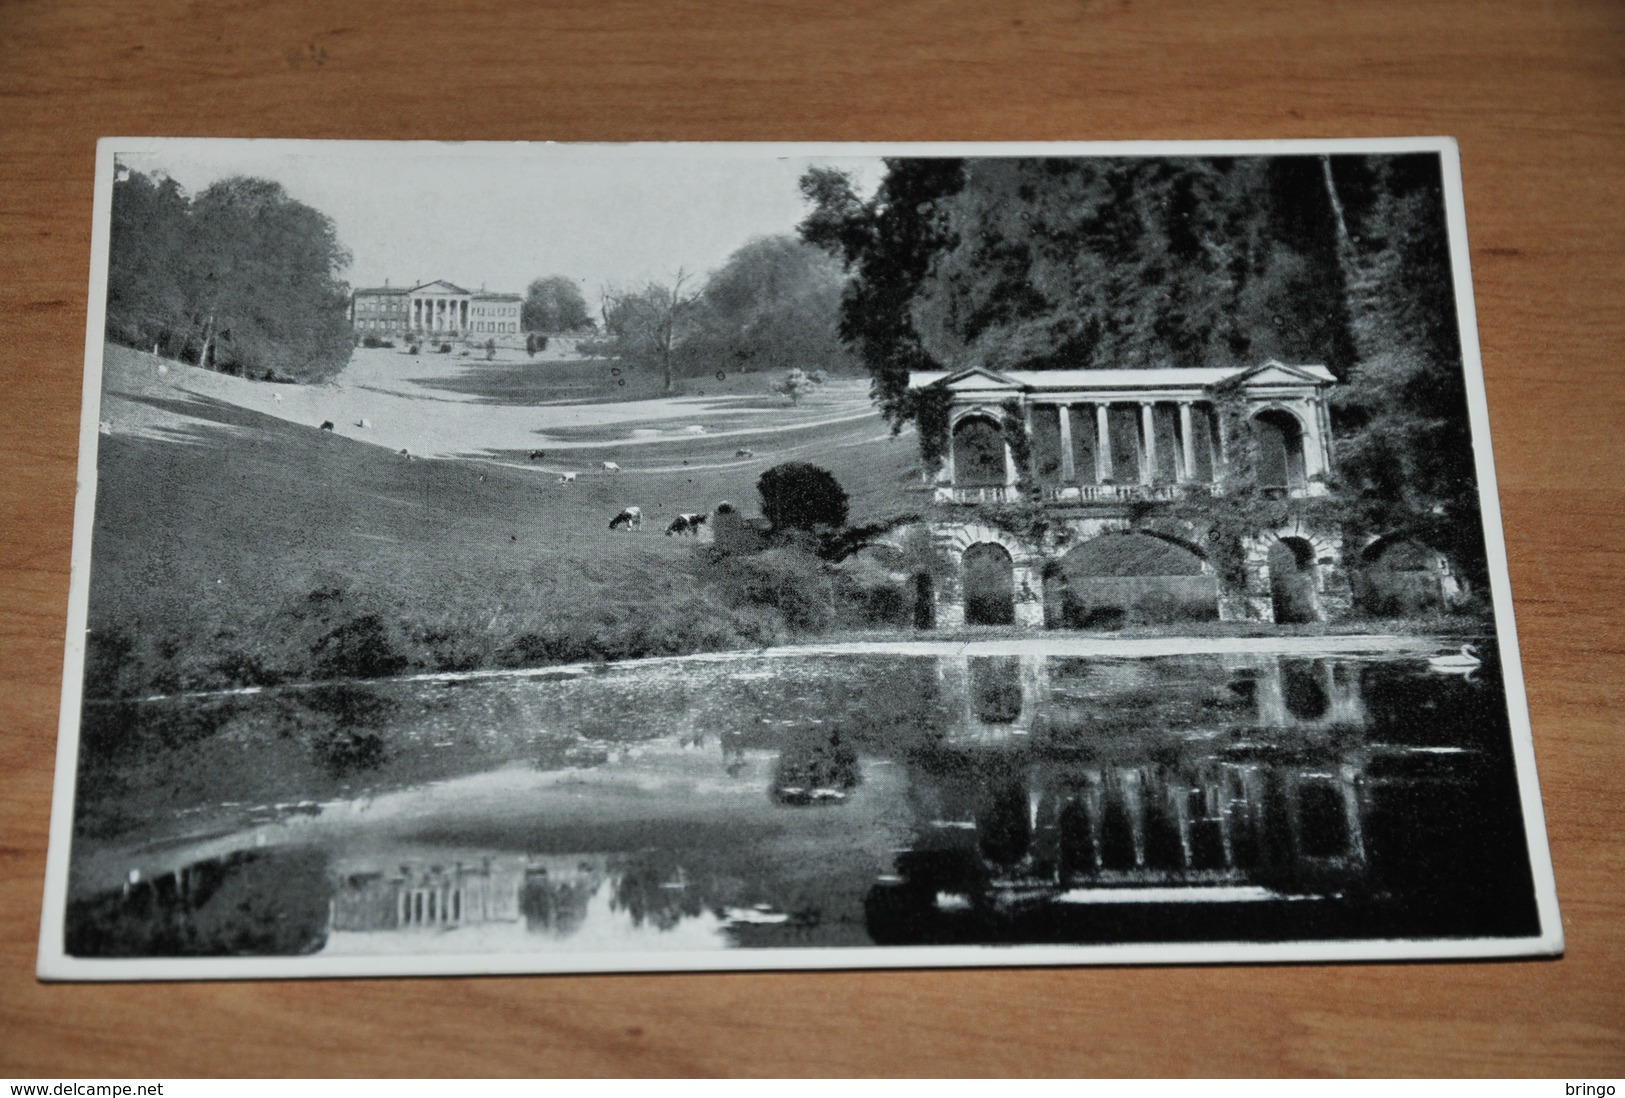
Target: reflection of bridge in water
996 698
1077 782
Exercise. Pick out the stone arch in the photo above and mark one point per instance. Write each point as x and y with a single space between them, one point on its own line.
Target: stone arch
1189 545
977 444
963 536
1399 573
1280 439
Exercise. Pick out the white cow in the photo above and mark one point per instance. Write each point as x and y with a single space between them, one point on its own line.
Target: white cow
567 478
629 519
611 467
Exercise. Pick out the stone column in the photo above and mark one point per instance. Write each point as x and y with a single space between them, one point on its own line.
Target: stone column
1103 444
1148 428
1187 440
1027 425
1069 471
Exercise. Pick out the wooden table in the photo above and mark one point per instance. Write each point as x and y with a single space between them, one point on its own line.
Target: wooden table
1534 91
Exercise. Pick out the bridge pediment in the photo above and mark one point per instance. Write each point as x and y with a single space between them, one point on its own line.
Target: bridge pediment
1274 373
979 379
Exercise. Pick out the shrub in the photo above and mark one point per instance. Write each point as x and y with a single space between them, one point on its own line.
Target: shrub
789 581
445 348
802 496
414 349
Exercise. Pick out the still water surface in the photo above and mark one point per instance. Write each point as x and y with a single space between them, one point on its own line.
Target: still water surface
831 799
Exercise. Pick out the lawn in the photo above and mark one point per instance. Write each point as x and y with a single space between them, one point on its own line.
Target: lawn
227 540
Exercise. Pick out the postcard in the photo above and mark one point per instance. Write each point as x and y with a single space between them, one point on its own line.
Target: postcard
500 558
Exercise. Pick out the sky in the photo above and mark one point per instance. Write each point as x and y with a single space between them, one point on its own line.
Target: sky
499 216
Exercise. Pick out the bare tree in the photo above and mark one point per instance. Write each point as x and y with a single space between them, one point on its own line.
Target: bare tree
646 324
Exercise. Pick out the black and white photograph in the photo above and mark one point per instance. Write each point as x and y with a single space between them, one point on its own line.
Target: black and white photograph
499 558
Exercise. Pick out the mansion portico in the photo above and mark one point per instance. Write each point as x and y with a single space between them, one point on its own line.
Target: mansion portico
437 308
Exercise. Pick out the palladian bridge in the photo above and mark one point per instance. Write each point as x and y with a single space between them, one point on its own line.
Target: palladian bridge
1109 454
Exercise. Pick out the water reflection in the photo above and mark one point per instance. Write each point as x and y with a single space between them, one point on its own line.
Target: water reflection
875 799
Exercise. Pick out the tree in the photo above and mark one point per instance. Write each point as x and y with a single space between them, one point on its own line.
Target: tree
242 278
887 245
148 250
645 325
797 384
554 304
774 305
799 496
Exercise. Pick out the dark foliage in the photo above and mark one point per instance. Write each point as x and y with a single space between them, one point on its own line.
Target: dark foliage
799 496
887 245
553 304
241 278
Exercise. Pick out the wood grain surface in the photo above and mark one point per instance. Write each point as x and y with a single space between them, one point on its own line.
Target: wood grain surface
1534 91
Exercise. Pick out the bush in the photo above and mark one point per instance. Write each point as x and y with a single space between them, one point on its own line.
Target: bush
800 496
789 581
445 348
414 349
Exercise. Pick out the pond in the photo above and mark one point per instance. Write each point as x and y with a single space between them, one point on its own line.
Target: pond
838 797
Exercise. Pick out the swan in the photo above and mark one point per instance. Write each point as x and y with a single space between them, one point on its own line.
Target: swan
1466 661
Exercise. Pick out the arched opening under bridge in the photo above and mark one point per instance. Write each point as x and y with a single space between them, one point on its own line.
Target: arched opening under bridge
1129 578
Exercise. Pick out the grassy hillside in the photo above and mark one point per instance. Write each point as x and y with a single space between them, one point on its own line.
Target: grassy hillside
232 546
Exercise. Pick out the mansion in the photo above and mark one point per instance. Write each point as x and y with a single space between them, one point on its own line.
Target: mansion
1118 461
434 309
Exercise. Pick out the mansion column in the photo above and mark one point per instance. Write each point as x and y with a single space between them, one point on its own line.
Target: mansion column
1187 440
1103 444
1069 471
1148 428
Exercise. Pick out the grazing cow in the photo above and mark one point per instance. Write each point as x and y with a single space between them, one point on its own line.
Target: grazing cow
611 467
327 425
744 453
162 369
105 427
686 524
629 519
695 429
277 397
567 478
537 455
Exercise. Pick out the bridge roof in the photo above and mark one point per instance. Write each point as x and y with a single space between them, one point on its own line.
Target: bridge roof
1185 377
